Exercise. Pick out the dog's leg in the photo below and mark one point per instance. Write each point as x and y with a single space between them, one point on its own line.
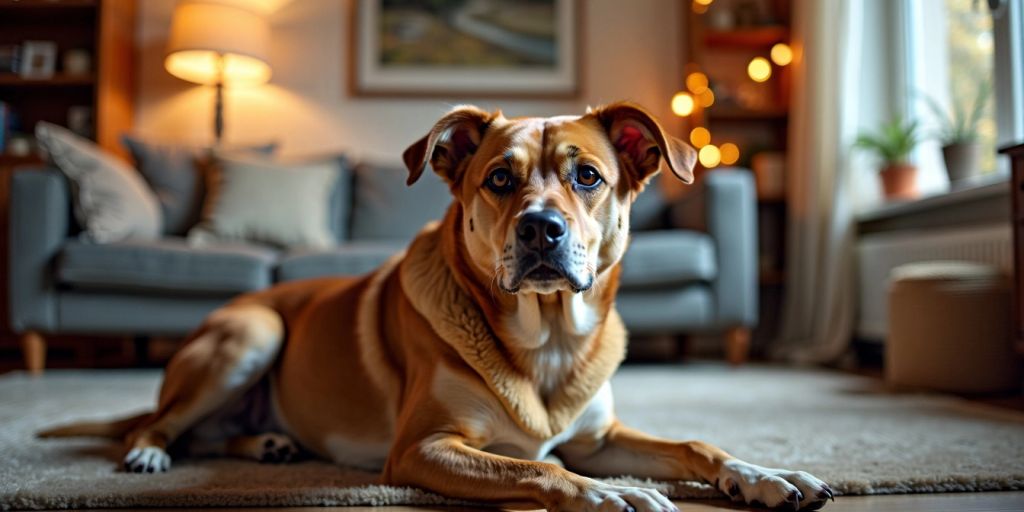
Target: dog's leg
623 450
231 352
448 465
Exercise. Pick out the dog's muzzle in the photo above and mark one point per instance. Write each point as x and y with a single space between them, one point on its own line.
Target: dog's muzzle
544 249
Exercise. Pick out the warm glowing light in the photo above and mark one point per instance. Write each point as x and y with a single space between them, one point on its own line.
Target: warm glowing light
709 156
699 8
682 104
730 153
782 54
706 98
703 2
204 67
700 137
697 82
759 69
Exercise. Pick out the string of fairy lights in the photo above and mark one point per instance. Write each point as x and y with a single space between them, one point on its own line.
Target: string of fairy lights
699 95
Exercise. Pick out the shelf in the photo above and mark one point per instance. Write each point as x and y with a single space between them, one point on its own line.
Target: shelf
46 4
729 113
747 37
15 161
58 80
772 278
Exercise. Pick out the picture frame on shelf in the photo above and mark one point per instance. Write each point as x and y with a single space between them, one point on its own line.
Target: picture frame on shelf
500 48
38 60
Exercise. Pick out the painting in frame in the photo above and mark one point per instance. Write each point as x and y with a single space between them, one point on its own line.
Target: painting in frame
526 48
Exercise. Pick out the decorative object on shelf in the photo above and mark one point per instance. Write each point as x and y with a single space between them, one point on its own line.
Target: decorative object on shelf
893 144
19 145
224 45
38 59
10 58
770 174
958 133
77 61
464 47
80 121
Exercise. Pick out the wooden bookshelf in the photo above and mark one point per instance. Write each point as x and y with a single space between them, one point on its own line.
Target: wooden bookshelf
752 115
57 80
103 28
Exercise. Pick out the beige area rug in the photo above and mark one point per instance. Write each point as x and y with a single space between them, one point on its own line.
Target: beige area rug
844 429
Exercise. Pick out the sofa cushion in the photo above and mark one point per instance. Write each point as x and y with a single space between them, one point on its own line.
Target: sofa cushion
111 201
668 258
259 200
165 265
175 173
385 208
353 258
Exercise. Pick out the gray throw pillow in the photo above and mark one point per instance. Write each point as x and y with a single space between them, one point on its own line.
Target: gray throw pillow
111 201
385 208
175 173
282 204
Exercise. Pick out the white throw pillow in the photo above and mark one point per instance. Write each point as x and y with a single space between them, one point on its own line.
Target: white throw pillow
111 201
284 204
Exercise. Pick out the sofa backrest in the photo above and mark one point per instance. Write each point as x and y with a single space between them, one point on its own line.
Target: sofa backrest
385 208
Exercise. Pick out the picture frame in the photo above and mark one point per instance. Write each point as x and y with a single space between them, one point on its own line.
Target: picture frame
461 48
38 59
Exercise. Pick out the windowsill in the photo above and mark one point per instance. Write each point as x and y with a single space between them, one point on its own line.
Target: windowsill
983 199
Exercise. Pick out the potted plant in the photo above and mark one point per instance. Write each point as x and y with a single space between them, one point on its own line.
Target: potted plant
959 133
893 144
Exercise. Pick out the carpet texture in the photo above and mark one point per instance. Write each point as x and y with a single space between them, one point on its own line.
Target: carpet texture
844 429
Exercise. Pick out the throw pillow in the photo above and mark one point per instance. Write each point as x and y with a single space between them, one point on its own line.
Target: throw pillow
111 201
175 173
385 208
283 204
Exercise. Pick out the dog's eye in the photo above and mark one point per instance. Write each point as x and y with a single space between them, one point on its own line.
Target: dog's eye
500 181
587 176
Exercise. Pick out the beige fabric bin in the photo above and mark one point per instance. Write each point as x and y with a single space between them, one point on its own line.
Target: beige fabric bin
949 328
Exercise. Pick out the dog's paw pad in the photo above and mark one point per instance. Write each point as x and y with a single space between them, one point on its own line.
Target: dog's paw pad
147 460
277 448
773 488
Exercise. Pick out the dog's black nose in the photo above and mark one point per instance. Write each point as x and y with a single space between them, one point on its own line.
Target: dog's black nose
542 231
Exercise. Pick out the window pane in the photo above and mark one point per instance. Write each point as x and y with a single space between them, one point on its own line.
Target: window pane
970 46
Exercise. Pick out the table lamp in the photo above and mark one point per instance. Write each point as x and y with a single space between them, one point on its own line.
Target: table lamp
220 44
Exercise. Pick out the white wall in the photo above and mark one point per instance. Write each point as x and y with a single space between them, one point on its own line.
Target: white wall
630 50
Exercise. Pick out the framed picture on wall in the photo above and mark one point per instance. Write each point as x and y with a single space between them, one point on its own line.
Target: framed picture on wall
525 48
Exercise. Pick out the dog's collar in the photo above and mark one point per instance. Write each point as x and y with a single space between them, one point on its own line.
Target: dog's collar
451 312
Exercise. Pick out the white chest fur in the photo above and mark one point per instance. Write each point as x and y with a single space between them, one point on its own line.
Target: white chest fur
473 405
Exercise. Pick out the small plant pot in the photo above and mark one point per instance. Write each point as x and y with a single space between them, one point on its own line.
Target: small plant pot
899 181
961 160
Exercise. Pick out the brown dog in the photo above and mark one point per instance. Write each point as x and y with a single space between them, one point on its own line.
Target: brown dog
461 363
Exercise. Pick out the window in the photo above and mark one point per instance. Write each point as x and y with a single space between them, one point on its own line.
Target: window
956 52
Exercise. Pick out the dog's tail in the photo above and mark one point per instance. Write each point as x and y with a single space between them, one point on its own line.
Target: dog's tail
115 429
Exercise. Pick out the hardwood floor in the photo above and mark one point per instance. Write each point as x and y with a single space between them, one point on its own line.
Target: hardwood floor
959 502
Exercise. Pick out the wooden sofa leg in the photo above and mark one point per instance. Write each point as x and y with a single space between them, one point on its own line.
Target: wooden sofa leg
33 348
737 345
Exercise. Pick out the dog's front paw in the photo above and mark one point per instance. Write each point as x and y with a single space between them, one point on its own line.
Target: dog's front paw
602 497
147 460
773 488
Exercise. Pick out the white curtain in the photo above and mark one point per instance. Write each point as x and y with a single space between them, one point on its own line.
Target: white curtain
818 307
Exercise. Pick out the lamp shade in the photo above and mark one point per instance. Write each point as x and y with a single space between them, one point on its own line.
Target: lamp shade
213 42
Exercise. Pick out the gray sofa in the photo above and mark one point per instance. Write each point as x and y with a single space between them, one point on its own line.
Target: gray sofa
673 280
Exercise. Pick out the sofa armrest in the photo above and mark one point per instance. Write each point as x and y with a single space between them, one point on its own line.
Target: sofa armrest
39 226
731 217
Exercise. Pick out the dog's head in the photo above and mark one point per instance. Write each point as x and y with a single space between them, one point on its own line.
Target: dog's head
546 200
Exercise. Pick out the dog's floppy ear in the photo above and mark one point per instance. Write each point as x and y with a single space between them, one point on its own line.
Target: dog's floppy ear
641 142
453 138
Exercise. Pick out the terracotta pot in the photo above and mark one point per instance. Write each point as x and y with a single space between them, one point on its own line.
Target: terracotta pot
899 181
961 160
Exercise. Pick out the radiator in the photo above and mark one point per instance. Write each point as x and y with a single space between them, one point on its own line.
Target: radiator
878 254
